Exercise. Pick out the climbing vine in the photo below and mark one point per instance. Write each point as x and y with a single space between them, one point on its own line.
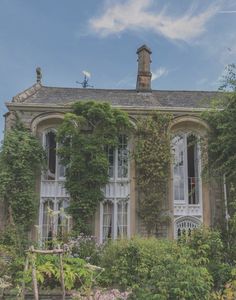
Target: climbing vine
21 159
84 138
222 149
153 157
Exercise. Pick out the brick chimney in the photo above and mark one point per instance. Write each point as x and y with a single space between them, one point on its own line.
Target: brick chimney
144 75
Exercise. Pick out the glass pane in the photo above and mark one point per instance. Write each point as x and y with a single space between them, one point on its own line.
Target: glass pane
178 147
107 220
48 225
51 155
111 160
123 157
122 224
193 172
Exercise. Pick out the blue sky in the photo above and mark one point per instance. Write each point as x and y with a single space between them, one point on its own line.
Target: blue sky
191 40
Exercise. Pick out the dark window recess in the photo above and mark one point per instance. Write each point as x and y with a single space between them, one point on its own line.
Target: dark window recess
51 155
192 157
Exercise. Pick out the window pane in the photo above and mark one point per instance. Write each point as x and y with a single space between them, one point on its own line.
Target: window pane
178 146
107 220
123 157
122 224
51 155
193 172
48 224
111 160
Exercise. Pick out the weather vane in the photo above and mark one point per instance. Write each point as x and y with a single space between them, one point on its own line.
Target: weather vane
84 83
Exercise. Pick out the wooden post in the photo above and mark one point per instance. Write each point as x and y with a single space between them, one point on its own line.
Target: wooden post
62 278
35 284
25 270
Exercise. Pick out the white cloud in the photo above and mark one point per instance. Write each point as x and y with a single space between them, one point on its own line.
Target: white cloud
139 15
160 72
227 12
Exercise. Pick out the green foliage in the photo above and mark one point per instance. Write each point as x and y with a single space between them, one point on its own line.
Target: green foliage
84 137
77 274
222 149
153 157
85 247
21 158
155 269
209 252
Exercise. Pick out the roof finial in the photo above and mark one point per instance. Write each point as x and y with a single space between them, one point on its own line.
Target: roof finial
38 74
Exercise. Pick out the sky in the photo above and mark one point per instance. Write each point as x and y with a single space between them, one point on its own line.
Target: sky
191 41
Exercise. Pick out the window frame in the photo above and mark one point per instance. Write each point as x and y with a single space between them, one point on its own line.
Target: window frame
57 160
185 201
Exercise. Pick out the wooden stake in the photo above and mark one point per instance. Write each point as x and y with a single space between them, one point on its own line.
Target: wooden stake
35 284
25 270
62 278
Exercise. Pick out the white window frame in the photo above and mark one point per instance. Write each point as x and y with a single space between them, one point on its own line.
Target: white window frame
192 223
185 201
55 207
115 200
114 228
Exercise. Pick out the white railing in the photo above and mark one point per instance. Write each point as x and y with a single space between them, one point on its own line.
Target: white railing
187 210
53 188
117 189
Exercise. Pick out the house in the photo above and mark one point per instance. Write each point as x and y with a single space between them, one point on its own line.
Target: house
191 200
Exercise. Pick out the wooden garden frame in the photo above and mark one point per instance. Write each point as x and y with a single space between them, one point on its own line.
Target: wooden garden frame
31 250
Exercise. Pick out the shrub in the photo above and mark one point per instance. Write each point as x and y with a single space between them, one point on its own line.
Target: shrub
155 269
84 247
209 251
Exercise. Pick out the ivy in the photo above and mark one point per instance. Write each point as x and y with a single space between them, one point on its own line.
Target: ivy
84 137
153 157
222 149
21 159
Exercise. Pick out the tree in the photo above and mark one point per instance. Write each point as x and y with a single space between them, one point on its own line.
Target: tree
222 147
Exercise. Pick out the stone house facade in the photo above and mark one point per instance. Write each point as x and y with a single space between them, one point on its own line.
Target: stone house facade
191 200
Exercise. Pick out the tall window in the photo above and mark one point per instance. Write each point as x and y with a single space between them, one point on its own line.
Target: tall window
115 219
55 222
114 213
55 170
118 159
186 169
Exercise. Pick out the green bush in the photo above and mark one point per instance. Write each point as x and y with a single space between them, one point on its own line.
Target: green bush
77 274
209 251
155 269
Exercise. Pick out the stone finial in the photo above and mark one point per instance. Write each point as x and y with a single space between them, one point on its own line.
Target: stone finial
38 75
144 74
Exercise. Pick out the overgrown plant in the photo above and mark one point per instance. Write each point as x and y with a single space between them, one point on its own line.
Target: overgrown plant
84 137
222 149
21 159
153 157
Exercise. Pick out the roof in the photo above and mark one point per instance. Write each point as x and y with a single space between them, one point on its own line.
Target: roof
44 95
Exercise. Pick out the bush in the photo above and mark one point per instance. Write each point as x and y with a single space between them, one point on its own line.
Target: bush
155 269
84 247
77 274
209 251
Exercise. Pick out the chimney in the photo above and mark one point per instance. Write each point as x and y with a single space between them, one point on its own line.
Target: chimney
144 75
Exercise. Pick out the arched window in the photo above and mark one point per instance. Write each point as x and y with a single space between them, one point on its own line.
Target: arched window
54 170
186 169
185 225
